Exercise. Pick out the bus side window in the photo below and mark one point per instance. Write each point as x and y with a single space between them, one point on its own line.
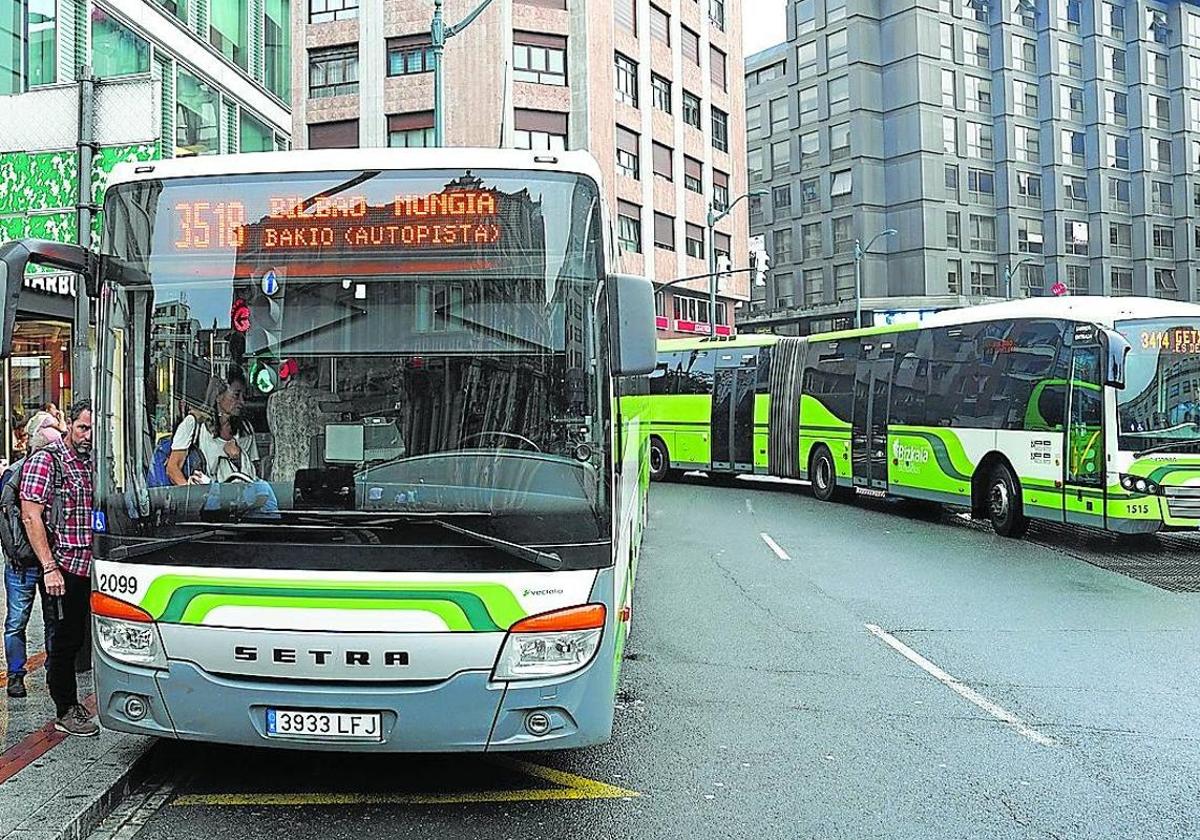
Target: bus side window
660 377
699 372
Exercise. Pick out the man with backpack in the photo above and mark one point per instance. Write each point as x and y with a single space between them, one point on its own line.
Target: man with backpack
61 474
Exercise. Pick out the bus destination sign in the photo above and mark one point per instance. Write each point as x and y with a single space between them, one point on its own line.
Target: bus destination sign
456 218
1184 340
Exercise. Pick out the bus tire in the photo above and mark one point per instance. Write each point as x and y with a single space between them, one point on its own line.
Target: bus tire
822 473
660 462
1004 505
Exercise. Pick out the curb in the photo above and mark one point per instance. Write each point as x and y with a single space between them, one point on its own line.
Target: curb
67 793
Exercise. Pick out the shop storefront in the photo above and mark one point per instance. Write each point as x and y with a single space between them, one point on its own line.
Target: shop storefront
39 370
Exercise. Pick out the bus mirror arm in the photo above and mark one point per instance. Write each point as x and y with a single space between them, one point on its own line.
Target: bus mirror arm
632 345
1116 348
15 256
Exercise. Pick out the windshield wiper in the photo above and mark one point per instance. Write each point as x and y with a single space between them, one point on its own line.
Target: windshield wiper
1163 447
125 552
545 559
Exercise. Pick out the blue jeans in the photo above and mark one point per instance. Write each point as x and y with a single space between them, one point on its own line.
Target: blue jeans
20 586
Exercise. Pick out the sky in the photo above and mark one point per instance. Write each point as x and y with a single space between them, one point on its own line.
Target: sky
764 24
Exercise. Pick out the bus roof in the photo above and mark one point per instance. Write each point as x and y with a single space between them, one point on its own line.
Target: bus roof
1105 311
351 160
666 345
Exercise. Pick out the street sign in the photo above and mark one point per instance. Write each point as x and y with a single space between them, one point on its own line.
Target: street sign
1058 289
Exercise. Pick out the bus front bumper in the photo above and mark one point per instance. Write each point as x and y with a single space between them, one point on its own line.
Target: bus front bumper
466 713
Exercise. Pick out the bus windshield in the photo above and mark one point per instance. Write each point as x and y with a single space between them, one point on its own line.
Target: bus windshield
309 357
1160 406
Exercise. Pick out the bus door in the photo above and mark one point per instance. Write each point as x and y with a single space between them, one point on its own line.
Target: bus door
872 393
1084 466
733 411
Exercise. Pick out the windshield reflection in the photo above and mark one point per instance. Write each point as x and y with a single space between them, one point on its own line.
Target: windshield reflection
1160 404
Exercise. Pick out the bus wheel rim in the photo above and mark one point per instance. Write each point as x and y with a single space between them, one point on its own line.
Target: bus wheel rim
822 473
656 459
1000 501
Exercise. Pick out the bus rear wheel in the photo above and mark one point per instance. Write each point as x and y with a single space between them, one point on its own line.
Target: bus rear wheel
823 475
660 462
1004 504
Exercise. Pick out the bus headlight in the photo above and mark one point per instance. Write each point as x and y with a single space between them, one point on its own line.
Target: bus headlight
126 632
551 644
1138 484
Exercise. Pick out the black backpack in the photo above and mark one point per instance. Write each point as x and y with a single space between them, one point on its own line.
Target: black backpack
13 539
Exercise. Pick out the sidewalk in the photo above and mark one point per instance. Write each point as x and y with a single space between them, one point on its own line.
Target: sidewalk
53 787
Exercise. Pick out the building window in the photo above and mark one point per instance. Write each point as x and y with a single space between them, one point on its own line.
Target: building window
1071 103
664 232
627 80
720 130
342 134
979 141
946 35
410 131
954 277
1164 283
754 126
1114 64
629 227
628 154
196 122
1025 53
413 54
754 165
176 7
690 43
950 177
1029 236
720 199
691 109
1113 20
716 13
694 241
116 49
1072 148
781 198
977 50
537 58
779 115
1029 189
806 16
716 68
660 25
1071 59
841 186
277 48
227 30
1118 153
1158 69
1077 279
1162 197
983 233
693 175
843 235
839 95
254 135
625 14
542 131
1118 194
780 157
1075 192
1117 107
332 71
1156 25
661 160
949 96
814 287
1163 238
979 94
781 247
981 185
806 101
1160 112
953 230
843 282
983 279
323 11
836 49
1160 155
1033 280
1122 282
839 142
1026 96
1028 144
660 93
1025 14
1120 239
835 10
810 241
806 60
1075 237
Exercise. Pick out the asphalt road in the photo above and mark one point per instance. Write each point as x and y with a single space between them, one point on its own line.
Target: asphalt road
859 671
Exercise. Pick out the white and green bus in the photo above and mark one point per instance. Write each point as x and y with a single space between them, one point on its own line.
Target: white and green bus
1082 410
405 508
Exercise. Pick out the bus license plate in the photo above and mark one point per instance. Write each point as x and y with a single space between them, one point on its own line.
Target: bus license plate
299 723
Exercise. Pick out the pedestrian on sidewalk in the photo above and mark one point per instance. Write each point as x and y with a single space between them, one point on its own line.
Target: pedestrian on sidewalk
21 583
65 555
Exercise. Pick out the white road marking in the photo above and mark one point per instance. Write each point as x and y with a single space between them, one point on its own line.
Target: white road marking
749 507
774 546
960 688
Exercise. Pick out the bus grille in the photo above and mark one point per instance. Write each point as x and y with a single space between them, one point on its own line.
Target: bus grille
1184 502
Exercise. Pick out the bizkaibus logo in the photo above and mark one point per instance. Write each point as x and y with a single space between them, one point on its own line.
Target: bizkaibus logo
907 456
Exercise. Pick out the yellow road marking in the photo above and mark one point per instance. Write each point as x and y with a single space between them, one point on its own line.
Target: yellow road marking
568 786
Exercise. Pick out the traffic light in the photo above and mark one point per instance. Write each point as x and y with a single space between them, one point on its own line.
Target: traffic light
762 263
264 332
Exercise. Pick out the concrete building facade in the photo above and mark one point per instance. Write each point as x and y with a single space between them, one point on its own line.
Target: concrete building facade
652 89
1054 140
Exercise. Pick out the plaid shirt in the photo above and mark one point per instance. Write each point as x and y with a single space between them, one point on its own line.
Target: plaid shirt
72 545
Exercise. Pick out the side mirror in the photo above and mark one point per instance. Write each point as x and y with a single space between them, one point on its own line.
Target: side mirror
1115 347
632 340
14 257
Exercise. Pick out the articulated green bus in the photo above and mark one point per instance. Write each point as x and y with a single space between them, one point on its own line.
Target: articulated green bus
1083 410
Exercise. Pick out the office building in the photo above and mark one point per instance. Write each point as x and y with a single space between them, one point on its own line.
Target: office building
1054 142
652 90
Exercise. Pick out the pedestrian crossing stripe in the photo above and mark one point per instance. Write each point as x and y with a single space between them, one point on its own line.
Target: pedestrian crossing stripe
564 786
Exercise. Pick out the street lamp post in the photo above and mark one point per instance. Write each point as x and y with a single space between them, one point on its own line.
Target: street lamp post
1009 270
439 34
713 218
859 253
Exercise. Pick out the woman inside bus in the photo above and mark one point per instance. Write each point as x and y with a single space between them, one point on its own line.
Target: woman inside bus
220 434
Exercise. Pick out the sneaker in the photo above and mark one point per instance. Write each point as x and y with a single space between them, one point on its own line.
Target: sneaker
16 685
77 721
